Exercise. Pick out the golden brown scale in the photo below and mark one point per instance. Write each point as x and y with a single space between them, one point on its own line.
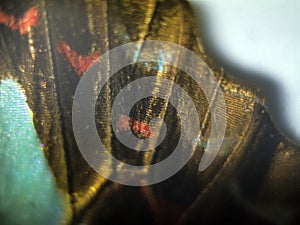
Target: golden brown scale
255 177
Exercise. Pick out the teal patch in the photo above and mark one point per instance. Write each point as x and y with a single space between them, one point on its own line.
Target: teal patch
28 193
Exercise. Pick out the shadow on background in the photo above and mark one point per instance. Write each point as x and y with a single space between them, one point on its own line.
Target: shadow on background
268 86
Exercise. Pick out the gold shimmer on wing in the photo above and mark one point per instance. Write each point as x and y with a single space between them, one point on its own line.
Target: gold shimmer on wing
253 180
31 44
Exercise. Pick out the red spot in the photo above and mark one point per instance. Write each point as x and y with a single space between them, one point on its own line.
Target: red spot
29 19
139 128
7 19
78 62
123 123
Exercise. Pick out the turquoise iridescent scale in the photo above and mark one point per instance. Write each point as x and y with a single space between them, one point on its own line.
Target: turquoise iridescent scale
28 191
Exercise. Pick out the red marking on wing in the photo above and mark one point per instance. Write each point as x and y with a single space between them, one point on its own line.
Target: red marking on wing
29 19
78 62
139 128
7 19
123 123
23 24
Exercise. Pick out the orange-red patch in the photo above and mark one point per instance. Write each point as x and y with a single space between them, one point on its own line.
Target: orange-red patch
29 19
78 62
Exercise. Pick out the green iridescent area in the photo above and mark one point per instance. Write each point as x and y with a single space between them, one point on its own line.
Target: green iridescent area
28 193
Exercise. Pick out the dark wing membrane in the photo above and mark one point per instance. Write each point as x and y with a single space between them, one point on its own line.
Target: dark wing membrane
82 25
254 177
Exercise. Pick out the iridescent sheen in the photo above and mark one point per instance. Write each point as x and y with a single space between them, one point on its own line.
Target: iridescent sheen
28 193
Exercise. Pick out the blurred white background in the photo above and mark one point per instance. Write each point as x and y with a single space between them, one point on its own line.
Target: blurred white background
260 42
